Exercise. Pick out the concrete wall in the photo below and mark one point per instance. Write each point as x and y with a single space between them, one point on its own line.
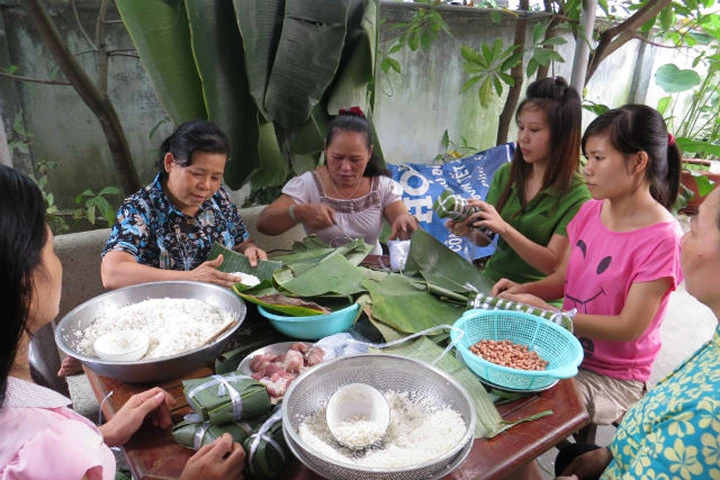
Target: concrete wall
413 108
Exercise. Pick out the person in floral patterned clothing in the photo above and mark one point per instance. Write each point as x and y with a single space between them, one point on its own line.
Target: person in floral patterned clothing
165 230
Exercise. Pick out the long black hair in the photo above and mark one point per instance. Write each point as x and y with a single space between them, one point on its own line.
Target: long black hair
354 120
563 111
637 128
190 137
23 234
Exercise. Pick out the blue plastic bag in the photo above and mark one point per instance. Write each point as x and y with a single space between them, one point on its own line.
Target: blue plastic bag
469 177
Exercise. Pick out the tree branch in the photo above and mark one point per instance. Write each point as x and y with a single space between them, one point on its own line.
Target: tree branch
517 73
615 37
80 25
98 102
33 80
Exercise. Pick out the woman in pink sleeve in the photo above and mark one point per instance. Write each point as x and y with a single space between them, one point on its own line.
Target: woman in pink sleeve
348 197
41 437
622 261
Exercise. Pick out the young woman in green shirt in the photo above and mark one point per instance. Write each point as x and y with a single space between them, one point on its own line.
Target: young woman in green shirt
533 198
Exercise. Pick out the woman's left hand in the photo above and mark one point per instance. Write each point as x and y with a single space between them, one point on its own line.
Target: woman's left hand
403 227
487 216
527 299
155 402
253 253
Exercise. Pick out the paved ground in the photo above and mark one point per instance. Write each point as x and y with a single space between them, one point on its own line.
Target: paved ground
687 325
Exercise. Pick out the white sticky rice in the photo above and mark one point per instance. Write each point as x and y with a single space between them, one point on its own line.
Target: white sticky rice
174 325
418 434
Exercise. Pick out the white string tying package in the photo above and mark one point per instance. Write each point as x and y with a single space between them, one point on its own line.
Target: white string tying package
224 386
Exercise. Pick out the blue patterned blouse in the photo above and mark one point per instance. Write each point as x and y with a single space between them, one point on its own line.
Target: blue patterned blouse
674 431
152 230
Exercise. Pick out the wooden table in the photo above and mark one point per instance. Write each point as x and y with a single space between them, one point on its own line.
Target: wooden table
153 454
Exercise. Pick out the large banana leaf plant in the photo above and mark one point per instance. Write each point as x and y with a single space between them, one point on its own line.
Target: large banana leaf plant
270 73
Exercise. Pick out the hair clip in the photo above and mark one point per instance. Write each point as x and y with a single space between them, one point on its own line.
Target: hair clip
356 111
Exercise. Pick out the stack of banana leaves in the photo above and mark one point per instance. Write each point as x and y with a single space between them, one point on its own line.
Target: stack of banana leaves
434 289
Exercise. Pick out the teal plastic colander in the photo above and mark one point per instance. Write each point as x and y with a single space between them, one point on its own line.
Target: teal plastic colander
552 343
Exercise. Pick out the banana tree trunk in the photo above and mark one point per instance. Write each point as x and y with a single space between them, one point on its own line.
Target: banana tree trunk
98 102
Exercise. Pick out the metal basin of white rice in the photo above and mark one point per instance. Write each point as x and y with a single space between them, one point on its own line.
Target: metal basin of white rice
68 333
311 391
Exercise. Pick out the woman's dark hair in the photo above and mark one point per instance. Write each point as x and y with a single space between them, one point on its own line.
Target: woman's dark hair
353 120
23 235
190 137
563 111
639 128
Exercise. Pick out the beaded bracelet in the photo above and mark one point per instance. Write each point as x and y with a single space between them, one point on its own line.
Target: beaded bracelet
291 212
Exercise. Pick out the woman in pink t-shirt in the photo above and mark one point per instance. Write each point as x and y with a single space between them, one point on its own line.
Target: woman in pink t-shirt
41 437
622 261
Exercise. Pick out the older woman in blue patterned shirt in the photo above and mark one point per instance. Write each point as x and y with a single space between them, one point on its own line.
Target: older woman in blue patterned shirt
165 230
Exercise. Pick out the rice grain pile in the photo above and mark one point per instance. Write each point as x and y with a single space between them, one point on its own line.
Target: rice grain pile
174 325
418 433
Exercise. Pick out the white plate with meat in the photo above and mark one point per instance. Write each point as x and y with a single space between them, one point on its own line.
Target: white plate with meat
277 365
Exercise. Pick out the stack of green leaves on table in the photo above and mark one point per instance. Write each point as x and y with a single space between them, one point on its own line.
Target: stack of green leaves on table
433 290
236 404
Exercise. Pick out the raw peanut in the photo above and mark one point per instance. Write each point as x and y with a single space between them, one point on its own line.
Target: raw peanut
509 354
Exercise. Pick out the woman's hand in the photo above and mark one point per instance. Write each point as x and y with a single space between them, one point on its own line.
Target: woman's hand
315 215
403 227
589 465
252 252
155 402
486 216
461 229
505 285
221 460
527 299
208 272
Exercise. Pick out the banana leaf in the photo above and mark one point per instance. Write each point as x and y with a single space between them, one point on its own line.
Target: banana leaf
334 274
312 250
218 51
195 435
260 24
159 30
440 266
351 86
307 57
274 168
237 262
226 398
407 306
489 422
306 309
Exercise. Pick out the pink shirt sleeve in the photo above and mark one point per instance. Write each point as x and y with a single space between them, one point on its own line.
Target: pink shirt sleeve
67 449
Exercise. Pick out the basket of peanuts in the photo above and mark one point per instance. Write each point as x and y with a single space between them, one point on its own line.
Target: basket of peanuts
516 350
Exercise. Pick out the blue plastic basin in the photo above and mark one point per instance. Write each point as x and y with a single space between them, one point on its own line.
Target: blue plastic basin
313 327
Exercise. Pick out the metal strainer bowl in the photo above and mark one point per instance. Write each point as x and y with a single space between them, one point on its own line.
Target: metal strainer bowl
312 390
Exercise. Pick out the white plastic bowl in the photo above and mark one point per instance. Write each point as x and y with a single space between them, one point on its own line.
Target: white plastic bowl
122 345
